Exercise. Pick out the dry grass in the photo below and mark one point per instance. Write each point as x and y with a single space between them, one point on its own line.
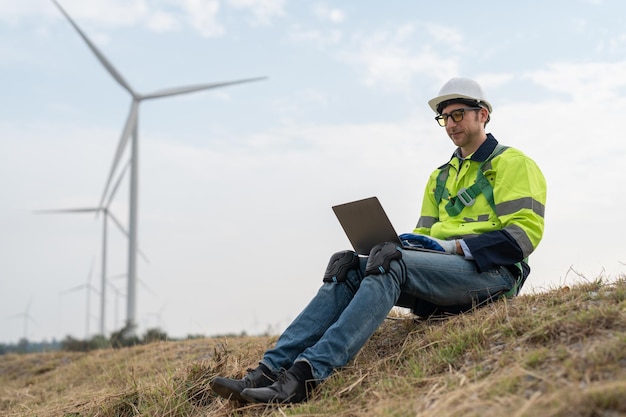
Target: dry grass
560 353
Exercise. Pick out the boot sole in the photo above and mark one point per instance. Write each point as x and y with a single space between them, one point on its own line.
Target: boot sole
273 400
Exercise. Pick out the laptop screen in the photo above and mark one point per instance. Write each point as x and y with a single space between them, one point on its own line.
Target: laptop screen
366 224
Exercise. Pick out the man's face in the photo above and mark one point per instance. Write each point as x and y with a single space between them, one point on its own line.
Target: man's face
469 130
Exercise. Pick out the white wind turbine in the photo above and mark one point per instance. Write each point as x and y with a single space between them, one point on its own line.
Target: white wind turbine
88 290
131 129
118 293
107 215
26 316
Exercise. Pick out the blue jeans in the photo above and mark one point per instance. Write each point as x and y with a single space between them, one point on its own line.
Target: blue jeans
338 321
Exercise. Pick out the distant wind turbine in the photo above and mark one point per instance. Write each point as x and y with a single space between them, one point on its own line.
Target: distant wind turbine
117 294
26 316
158 318
88 290
106 215
131 129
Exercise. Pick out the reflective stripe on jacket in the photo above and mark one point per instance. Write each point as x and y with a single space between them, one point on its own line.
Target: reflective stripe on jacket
500 238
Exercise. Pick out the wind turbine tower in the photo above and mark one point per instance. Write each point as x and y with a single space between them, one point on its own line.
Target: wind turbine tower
130 131
106 215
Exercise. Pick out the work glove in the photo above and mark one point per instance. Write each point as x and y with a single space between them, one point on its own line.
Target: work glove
429 242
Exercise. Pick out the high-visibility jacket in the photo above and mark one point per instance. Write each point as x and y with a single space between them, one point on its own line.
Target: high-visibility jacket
504 237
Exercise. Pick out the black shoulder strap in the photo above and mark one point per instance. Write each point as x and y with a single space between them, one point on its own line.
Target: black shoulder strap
466 196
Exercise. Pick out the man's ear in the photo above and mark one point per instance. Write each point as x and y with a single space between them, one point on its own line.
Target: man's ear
484 115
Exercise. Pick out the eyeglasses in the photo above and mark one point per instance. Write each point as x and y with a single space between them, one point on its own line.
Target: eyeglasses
457 115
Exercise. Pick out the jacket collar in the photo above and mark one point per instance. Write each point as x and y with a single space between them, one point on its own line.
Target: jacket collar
483 152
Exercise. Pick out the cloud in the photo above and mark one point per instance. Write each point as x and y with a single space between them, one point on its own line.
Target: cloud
13 12
333 15
579 25
287 112
112 13
389 58
320 39
493 80
262 10
108 13
202 14
166 15
162 22
445 34
614 45
582 83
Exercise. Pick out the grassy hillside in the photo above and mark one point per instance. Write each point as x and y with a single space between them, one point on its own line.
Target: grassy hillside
560 353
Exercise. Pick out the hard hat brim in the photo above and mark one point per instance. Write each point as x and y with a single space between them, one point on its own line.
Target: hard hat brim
435 102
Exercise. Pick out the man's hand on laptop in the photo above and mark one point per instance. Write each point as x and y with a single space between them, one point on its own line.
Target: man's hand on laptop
429 242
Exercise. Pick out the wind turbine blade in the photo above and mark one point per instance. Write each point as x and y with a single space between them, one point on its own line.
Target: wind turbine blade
145 258
146 287
131 121
119 226
114 73
113 287
76 210
117 184
118 276
192 88
117 223
73 289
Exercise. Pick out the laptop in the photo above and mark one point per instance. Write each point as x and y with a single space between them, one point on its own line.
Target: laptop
366 225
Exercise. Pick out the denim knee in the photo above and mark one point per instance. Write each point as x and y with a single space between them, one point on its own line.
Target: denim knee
397 272
353 280
392 281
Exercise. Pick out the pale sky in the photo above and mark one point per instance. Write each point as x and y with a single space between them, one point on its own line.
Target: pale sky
236 184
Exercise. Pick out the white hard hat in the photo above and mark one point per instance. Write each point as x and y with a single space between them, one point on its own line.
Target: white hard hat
460 89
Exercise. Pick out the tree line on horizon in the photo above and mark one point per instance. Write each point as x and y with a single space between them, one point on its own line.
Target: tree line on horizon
118 339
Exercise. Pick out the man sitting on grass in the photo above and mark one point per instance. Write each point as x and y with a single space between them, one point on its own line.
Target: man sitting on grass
483 210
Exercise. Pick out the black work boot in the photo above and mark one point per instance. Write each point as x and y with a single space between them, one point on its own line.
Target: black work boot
231 388
293 386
